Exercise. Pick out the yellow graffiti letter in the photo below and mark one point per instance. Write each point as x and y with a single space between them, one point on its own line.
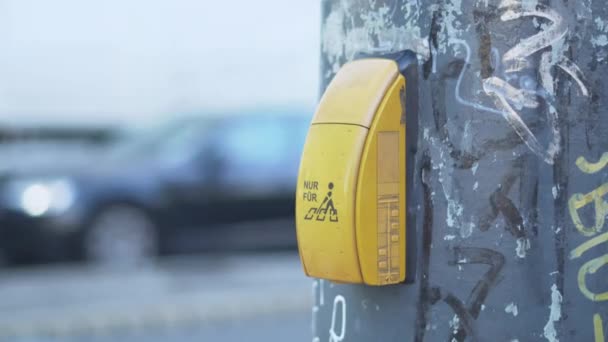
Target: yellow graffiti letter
588 167
598 328
587 245
590 267
577 201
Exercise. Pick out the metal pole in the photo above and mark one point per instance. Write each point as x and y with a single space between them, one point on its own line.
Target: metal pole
511 172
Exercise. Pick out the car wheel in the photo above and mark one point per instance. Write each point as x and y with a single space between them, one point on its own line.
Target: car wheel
121 236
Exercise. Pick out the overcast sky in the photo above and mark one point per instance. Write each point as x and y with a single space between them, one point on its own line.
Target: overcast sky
80 61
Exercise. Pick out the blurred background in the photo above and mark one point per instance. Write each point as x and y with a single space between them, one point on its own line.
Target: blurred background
148 158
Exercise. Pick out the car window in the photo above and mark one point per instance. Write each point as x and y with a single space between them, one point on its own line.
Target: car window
172 141
256 154
182 145
257 144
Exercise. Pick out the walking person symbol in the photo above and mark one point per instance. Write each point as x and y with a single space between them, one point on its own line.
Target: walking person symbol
328 206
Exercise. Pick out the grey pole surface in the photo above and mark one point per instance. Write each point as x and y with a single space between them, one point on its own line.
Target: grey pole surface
511 173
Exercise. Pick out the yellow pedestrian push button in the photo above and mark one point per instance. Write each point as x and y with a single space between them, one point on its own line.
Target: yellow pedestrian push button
351 192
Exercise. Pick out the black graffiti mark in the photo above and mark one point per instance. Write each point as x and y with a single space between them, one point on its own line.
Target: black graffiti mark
475 255
462 159
593 116
482 17
410 107
533 216
509 142
436 22
560 237
500 203
466 321
514 221
469 312
427 296
561 179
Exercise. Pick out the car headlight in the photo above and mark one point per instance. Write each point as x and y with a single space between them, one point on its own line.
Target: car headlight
41 197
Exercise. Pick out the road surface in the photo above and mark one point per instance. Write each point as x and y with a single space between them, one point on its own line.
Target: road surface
246 297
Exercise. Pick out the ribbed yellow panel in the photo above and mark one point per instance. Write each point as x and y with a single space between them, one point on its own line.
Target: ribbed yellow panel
380 203
388 207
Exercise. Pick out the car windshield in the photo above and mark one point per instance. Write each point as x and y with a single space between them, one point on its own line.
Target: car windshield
172 140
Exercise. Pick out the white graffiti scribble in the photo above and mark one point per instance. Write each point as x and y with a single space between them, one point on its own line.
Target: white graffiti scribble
503 91
317 290
321 292
508 98
515 59
339 301
575 72
343 36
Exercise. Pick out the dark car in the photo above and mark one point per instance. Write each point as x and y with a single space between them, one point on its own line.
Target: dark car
212 182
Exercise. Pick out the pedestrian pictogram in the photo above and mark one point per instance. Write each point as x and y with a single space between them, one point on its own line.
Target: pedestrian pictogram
326 209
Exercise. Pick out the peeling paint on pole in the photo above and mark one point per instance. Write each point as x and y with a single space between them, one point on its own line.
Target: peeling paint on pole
511 180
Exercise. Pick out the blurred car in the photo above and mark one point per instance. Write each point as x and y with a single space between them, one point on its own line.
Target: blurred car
209 182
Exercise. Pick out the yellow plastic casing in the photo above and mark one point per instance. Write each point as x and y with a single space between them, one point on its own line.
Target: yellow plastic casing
350 198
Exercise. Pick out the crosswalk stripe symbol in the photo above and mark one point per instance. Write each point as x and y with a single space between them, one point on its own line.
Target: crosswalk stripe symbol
327 206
